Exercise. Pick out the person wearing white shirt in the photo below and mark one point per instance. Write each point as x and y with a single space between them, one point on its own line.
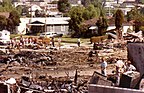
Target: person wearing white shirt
130 67
103 67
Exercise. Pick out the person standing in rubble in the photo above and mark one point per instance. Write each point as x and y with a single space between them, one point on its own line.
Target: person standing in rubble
59 42
120 68
52 41
130 67
12 43
90 55
78 42
94 46
103 67
21 41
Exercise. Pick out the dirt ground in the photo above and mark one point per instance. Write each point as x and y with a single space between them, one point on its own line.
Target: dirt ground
68 60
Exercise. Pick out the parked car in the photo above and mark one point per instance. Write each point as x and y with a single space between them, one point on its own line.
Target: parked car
50 34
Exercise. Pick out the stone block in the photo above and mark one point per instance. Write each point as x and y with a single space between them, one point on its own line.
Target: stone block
99 79
129 79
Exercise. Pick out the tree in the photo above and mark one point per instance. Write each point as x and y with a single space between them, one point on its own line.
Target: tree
119 19
63 5
91 12
133 14
86 2
19 9
13 20
76 14
14 16
79 14
98 4
102 25
10 25
3 22
136 16
7 5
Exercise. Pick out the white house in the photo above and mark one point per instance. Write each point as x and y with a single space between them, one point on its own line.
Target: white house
38 25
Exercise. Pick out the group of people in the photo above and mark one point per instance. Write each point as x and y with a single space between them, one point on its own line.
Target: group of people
120 67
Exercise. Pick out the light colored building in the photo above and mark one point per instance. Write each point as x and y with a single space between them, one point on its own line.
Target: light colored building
33 8
39 25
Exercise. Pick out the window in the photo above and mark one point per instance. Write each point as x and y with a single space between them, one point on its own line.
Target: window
52 28
62 27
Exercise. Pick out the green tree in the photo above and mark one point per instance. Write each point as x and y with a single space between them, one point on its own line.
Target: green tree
136 16
63 5
91 12
102 25
13 20
14 16
76 14
3 22
119 19
86 2
98 4
133 14
19 9
7 5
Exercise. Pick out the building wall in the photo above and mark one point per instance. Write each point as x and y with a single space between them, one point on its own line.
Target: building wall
25 24
58 29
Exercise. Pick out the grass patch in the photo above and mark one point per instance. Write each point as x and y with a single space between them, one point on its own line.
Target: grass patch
63 39
73 40
14 35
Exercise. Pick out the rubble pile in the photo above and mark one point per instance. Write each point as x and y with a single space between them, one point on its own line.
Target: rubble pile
2 53
31 57
53 85
50 71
